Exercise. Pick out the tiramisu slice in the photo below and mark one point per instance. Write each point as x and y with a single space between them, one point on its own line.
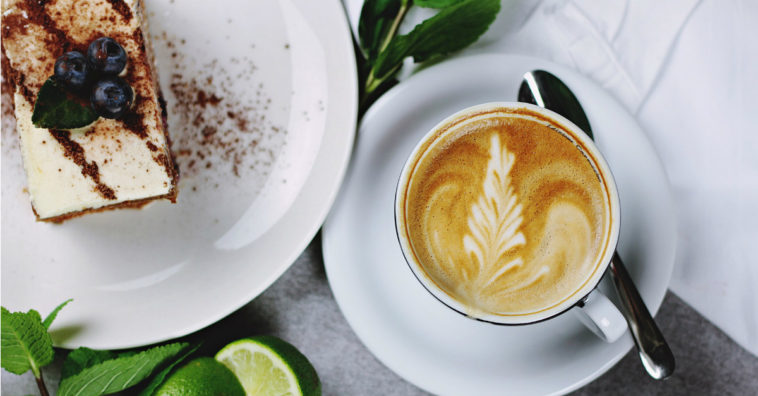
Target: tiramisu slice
120 161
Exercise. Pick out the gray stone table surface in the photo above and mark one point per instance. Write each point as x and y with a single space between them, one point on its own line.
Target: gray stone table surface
299 307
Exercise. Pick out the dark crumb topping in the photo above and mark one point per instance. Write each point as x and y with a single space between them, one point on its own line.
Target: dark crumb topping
122 9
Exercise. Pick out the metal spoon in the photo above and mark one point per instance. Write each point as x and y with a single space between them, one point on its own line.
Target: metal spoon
546 90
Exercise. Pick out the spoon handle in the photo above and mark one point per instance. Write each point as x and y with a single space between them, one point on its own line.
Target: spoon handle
654 352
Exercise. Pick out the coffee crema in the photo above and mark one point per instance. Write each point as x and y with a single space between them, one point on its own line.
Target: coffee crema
506 213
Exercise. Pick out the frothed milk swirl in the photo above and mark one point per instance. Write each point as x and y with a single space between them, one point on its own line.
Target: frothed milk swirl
505 213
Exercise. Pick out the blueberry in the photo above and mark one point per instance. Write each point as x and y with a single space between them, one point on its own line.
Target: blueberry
106 56
72 69
111 97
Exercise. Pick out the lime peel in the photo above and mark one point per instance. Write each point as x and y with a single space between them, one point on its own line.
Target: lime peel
201 377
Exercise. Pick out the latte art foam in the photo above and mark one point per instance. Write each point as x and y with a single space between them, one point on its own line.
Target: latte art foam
506 215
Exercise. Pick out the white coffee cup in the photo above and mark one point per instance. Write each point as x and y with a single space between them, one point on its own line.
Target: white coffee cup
593 308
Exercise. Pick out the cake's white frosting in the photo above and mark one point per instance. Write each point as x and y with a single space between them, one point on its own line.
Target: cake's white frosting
132 162
56 184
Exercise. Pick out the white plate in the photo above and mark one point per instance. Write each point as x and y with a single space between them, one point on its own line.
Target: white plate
139 277
403 325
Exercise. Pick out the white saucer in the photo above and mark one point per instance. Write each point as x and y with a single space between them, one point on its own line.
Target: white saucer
403 325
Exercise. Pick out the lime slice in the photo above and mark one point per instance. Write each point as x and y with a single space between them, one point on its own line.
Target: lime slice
201 377
267 365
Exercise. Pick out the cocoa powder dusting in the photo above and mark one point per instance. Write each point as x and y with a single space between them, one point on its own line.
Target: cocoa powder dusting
214 130
122 9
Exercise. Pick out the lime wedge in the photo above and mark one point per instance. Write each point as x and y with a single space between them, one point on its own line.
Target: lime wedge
268 366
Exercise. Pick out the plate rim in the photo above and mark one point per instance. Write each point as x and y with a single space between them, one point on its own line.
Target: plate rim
501 58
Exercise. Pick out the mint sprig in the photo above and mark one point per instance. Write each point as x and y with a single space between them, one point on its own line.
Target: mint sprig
25 343
378 24
27 346
458 24
54 314
117 374
159 378
56 108
82 358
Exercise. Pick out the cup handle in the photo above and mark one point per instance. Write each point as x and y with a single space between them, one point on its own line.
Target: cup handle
599 314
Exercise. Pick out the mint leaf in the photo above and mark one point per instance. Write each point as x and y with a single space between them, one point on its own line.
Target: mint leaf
435 3
82 358
25 343
55 108
51 317
452 29
161 376
118 374
375 24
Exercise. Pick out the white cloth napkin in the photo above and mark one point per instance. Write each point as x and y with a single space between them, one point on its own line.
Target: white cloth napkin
685 69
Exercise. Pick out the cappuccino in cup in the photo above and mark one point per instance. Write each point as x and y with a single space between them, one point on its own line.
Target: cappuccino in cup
506 213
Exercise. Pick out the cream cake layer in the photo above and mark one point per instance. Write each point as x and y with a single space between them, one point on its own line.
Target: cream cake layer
112 163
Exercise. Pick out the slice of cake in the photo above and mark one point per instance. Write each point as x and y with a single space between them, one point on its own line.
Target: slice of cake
117 162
